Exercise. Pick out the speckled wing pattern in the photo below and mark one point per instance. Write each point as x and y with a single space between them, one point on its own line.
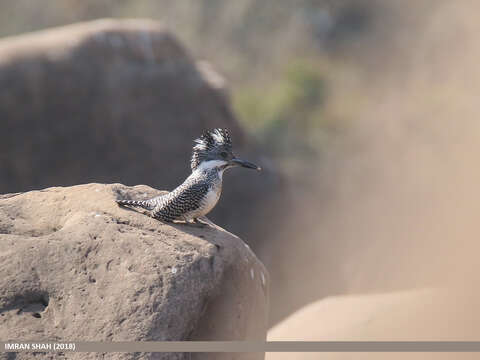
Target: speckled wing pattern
184 199
187 202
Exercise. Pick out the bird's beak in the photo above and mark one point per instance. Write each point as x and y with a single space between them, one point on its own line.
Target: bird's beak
245 164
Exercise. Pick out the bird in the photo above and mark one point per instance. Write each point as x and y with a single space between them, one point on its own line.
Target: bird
212 154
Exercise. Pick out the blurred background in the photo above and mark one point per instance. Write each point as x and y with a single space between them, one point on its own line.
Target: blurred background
363 112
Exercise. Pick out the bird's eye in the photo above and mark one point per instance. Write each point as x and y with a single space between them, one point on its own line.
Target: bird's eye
224 154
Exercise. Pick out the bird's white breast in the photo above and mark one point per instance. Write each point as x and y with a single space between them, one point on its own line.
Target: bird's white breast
210 200
207 203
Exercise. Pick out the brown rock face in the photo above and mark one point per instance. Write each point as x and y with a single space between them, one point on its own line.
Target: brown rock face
74 265
115 101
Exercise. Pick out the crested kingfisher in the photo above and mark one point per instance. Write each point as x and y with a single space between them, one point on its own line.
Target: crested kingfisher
199 193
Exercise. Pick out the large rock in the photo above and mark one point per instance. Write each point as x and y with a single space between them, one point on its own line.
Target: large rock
116 101
74 265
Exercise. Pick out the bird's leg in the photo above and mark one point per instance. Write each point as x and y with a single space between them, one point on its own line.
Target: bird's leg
192 222
198 223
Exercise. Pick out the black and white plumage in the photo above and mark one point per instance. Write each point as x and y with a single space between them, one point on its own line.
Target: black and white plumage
199 193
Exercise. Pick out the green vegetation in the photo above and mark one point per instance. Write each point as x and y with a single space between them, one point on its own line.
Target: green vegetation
290 115
302 45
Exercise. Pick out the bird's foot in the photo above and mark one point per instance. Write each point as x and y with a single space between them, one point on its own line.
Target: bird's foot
200 223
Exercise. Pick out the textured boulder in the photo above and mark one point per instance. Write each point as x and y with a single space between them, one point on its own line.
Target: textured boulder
115 101
74 265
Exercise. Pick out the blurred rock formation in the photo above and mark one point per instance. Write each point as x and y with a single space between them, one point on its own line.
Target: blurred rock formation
431 314
117 101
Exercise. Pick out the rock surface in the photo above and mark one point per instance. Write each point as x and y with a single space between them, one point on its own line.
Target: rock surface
123 99
74 265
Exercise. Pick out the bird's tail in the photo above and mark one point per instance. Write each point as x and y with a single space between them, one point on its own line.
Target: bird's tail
146 204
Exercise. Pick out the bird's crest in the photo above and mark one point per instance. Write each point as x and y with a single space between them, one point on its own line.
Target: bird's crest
210 143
